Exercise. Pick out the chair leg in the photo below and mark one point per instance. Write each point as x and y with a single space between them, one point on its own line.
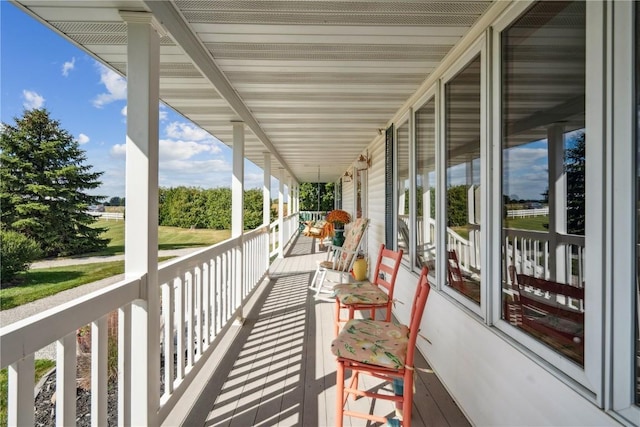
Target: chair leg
323 274
407 398
339 394
315 277
336 329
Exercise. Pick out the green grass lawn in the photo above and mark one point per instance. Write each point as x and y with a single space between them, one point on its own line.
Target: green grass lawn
534 223
168 237
39 283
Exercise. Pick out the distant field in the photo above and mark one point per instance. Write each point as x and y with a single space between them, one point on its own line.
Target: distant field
534 223
168 237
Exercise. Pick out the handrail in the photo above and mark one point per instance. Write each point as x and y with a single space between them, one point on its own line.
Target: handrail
200 296
29 335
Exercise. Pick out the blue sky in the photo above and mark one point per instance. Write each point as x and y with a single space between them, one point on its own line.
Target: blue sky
40 69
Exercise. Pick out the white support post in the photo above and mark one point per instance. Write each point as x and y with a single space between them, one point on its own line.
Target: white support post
266 190
280 214
471 214
66 381
141 226
237 210
557 202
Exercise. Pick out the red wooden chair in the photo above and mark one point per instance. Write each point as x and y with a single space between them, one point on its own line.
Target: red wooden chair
383 350
370 295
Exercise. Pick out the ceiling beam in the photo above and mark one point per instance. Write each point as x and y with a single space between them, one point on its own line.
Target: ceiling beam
181 33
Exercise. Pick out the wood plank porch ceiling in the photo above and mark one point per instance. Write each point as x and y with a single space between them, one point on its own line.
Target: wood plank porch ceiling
330 72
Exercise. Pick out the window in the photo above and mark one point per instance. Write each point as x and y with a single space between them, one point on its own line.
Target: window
425 201
543 175
402 193
462 180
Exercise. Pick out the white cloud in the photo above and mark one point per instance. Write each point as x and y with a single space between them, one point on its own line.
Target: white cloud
83 139
118 150
186 131
124 111
68 66
184 150
115 84
32 99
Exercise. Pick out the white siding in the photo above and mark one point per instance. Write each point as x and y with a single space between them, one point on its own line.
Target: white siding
375 192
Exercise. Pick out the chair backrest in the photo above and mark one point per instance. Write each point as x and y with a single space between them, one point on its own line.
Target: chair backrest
456 280
352 241
417 310
388 263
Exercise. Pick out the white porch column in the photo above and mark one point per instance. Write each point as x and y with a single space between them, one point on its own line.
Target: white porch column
140 367
237 208
557 202
266 190
281 214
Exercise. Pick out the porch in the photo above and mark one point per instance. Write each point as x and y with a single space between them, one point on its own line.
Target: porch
278 369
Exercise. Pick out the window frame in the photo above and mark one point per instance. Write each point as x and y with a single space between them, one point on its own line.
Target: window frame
433 93
478 47
584 380
624 217
404 120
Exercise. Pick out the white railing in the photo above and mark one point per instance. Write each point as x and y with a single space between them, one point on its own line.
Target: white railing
290 228
312 215
529 252
201 295
523 213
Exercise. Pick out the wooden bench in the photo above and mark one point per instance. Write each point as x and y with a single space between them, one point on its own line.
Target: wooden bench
551 311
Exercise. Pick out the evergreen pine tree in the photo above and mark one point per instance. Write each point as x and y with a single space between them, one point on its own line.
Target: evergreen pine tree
43 179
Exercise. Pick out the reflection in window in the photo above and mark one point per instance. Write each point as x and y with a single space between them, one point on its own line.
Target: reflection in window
543 175
462 148
426 186
403 188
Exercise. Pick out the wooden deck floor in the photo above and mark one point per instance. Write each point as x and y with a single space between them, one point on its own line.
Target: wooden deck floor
280 370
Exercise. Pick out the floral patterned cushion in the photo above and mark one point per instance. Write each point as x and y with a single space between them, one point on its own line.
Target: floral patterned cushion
373 342
352 238
360 293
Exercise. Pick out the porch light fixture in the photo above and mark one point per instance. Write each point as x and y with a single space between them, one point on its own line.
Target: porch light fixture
363 163
347 176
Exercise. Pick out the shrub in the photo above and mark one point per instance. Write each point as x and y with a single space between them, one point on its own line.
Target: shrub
17 252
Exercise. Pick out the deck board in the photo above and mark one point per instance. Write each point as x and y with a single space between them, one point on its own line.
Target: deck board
280 371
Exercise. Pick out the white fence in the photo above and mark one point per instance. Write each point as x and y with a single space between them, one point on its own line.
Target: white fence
200 296
117 216
523 213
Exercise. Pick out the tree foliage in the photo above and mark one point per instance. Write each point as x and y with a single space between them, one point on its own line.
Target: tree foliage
17 253
188 207
457 214
309 200
43 184
575 169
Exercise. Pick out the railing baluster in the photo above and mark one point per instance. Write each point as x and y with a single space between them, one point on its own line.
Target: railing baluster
21 383
66 380
168 308
206 303
99 364
188 280
124 365
180 315
199 308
